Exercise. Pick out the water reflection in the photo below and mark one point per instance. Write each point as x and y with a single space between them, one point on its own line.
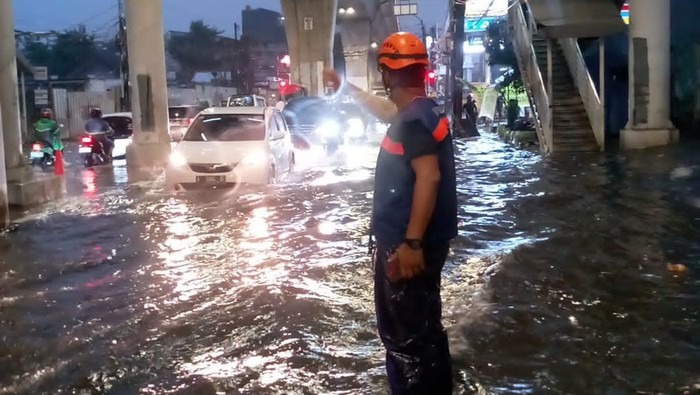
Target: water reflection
559 282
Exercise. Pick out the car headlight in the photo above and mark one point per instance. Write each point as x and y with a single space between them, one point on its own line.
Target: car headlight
328 129
356 127
254 159
177 159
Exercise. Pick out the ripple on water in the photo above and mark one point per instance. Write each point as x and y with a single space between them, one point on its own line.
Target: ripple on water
558 282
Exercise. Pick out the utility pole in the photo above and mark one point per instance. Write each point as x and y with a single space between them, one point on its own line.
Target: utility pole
125 102
457 61
424 35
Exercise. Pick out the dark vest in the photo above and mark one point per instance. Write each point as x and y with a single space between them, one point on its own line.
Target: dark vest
395 179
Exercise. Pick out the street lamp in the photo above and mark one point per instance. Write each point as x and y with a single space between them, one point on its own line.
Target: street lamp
374 45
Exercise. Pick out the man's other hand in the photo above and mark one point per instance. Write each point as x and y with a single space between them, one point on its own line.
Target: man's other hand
406 263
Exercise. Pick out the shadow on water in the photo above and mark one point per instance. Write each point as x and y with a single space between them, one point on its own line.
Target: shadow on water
558 282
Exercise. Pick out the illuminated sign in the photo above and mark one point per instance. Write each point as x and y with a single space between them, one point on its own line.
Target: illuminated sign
478 24
625 13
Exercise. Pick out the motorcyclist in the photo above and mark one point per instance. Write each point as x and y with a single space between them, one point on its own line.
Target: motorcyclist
101 130
47 131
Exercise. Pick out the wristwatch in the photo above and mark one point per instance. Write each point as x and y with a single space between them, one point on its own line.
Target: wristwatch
414 244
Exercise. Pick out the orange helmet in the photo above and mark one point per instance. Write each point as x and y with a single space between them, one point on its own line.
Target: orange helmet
402 50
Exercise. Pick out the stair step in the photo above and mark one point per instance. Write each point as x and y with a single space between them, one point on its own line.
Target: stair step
577 148
577 122
586 135
567 101
591 142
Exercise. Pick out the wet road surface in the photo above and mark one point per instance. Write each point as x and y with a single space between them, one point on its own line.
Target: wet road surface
559 282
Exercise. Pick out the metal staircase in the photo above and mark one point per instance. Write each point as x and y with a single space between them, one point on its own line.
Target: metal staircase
570 115
572 128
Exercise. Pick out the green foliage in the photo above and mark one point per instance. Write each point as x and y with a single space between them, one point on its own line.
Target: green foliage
500 51
73 54
198 49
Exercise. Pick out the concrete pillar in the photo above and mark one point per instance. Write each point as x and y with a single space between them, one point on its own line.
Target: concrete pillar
310 26
148 80
356 47
4 209
649 123
9 93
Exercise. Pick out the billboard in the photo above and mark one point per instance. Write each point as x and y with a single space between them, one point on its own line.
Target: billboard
472 25
475 9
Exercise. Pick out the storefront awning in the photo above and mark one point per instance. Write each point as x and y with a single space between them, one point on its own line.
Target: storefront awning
577 18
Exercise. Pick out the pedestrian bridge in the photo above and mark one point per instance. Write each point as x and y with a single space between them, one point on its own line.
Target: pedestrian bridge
568 103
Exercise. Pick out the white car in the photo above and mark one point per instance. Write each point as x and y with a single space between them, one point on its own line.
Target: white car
121 123
227 146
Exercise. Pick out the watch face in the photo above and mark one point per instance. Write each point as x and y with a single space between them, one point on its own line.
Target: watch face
415 244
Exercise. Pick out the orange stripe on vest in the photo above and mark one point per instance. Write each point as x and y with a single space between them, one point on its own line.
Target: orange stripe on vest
442 130
391 146
439 134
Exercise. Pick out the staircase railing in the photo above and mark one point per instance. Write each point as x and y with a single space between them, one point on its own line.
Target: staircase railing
522 33
595 107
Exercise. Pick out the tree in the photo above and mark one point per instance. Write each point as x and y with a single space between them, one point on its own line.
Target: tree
73 53
37 52
198 49
500 51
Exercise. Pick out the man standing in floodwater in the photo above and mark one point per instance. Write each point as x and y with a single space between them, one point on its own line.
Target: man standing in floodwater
414 218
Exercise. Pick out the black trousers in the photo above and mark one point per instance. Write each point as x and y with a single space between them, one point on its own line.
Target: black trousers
409 315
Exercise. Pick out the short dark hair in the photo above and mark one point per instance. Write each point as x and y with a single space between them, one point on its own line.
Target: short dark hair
412 76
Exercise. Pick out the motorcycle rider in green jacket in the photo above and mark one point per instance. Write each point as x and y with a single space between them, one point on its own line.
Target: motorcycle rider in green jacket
47 131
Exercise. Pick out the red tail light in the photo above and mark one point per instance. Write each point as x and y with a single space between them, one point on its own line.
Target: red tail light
36 147
86 140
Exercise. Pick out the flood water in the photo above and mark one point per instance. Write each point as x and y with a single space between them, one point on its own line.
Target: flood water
562 281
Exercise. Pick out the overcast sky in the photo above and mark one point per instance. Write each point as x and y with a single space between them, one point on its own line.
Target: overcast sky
100 16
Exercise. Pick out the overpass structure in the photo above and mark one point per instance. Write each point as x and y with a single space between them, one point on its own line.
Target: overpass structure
310 26
569 106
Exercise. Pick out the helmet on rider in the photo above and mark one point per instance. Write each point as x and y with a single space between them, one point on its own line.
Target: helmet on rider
96 112
403 61
46 113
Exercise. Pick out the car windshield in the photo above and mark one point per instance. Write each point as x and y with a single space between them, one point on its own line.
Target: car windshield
122 126
241 101
227 127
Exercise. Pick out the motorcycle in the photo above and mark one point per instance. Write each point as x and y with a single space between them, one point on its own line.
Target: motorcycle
43 153
331 134
92 151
